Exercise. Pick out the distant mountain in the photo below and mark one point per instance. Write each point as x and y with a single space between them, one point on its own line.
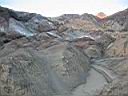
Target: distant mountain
117 21
84 22
101 15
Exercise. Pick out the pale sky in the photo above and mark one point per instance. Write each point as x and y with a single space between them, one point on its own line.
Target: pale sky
52 8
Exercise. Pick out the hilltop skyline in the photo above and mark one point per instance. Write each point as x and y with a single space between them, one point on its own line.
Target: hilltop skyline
58 7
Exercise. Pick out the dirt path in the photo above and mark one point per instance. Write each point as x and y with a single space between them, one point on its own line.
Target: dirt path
95 82
108 75
97 79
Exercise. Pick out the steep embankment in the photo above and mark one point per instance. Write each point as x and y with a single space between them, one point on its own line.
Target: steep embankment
41 65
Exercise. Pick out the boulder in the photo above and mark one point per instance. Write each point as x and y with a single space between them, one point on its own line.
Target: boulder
40 24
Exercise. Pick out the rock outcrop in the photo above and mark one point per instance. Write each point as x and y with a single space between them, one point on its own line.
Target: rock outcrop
24 23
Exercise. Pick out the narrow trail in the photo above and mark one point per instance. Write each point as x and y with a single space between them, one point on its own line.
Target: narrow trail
97 79
95 82
108 75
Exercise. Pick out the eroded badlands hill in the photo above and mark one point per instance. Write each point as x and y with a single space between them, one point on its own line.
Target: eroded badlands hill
41 56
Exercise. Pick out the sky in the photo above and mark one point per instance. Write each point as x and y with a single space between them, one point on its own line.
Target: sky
53 8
